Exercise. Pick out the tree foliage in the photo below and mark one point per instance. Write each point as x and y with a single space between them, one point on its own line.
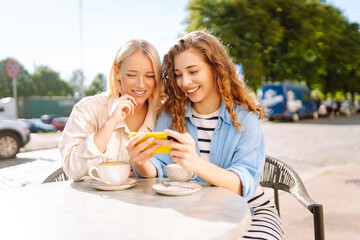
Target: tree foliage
76 80
277 40
47 82
97 85
43 82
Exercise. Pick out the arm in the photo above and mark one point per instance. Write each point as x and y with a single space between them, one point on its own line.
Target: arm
83 144
76 145
147 164
121 108
217 176
184 153
142 166
249 156
242 162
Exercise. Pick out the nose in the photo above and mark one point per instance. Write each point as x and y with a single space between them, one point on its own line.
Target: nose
186 81
140 82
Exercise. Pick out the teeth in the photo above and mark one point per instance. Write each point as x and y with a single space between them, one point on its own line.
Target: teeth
193 90
142 92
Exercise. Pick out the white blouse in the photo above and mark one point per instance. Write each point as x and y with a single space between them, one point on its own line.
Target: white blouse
77 146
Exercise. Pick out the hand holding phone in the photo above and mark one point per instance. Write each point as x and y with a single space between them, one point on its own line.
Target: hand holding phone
156 135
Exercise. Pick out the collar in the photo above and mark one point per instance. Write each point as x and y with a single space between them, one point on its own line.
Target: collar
150 119
223 114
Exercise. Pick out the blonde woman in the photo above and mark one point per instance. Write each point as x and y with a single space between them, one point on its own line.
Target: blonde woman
99 126
216 120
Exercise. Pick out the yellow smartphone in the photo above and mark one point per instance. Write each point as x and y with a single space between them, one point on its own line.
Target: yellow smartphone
157 135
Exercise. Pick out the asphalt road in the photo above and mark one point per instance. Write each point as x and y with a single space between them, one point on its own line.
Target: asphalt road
306 146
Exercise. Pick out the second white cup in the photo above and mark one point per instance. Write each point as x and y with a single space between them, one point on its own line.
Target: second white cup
176 173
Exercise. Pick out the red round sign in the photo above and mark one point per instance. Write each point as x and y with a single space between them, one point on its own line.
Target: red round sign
12 68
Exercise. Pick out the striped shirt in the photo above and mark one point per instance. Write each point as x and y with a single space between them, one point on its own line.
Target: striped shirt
266 223
206 125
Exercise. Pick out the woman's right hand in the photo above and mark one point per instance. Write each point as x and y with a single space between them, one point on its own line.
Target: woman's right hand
141 156
122 107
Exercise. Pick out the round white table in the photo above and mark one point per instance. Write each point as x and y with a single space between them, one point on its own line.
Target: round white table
75 210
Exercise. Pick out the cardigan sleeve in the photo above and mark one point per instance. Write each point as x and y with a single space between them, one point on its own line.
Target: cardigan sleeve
77 146
249 156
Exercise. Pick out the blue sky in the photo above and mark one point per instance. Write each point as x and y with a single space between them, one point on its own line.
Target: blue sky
46 32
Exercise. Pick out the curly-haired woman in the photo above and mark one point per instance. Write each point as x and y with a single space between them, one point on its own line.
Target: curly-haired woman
218 127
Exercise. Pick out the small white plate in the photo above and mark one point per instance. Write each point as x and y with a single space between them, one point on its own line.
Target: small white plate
128 184
178 188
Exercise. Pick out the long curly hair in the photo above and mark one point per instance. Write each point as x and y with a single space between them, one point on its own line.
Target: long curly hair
231 89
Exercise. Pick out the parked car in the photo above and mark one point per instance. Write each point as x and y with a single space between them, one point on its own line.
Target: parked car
35 125
48 118
59 123
288 101
14 134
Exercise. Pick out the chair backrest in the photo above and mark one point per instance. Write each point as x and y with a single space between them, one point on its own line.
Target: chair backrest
280 176
57 176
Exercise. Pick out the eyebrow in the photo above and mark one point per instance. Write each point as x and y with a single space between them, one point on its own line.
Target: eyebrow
187 67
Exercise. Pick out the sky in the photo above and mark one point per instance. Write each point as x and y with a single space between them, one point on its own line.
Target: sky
48 33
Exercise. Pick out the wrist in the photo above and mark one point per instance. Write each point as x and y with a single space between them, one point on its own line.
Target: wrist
111 123
145 169
200 165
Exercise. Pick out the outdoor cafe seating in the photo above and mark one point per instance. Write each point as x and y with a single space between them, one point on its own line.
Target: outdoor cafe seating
276 175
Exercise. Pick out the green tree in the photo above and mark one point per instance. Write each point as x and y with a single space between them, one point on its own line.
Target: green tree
76 80
279 40
47 82
97 85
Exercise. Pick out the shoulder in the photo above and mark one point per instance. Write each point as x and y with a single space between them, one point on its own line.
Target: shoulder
164 119
247 117
244 113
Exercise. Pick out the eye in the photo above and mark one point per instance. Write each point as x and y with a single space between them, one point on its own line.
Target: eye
178 75
130 75
150 76
194 72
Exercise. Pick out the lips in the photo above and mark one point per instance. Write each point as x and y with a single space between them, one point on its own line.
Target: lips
192 91
139 92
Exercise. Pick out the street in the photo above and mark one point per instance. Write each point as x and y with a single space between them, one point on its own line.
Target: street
306 146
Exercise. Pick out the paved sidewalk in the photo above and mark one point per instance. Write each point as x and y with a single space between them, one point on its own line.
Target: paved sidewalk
337 187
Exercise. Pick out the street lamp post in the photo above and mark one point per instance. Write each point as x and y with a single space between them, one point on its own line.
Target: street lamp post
82 91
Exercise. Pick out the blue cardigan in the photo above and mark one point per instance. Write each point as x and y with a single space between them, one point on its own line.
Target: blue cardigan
242 153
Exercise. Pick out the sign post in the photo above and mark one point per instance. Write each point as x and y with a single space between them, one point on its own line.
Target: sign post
12 70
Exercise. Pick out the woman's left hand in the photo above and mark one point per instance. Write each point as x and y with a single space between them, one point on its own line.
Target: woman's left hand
183 152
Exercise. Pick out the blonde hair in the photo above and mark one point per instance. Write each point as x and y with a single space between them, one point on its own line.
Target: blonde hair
129 48
231 89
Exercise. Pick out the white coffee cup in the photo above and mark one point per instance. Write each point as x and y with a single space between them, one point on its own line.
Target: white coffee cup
112 173
176 173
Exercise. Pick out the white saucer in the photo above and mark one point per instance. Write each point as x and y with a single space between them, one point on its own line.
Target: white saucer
178 188
128 184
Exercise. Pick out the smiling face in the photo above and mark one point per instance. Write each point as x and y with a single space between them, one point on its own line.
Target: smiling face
137 77
196 79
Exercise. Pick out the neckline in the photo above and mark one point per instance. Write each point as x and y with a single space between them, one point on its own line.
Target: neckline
210 115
